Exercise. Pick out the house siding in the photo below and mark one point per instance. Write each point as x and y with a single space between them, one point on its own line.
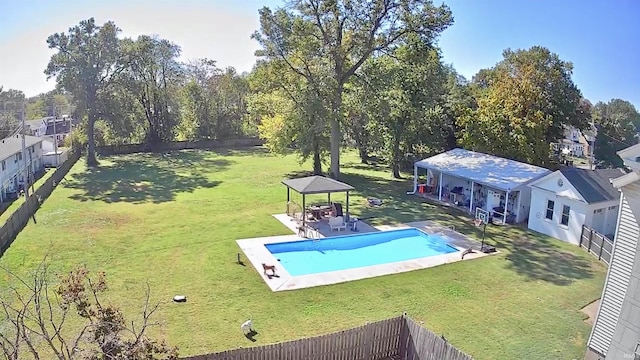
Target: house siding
613 335
577 216
13 172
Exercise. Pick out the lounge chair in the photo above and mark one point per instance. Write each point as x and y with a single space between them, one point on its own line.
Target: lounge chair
337 223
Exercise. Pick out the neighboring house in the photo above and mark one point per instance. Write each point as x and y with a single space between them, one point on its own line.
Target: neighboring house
564 200
59 128
575 142
36 128
616 330
52 155
12 163
586 144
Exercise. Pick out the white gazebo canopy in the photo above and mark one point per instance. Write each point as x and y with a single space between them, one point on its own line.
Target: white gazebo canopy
499 173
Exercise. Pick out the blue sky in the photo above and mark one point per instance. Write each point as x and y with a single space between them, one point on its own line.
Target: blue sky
601 38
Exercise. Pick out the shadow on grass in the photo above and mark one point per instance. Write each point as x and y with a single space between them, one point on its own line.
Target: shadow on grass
255 151
532 256
377 166
539 259
149 177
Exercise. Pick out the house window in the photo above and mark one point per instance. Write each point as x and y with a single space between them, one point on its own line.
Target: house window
4 165
612 207
550 205
564 220
597 211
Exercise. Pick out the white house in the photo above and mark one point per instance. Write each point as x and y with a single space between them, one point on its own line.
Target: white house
616 330
38 127
576 142
564 200
12 163
471 180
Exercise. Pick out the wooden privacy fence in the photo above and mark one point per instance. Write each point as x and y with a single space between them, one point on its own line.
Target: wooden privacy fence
596 244
19 219
395 338
177 145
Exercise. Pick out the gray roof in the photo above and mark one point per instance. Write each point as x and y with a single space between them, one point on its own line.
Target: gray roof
594 185
13 145
316 185
34 123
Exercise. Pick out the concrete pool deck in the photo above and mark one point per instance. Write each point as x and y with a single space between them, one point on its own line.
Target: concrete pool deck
257 253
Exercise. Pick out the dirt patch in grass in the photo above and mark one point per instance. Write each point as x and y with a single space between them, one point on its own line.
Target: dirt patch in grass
591 310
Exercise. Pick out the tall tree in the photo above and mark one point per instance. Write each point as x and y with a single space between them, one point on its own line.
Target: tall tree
153 76
327 41
614 122
213 101
405 100
358 117
12 107
289 113
52 103
458 102
524 104
85 63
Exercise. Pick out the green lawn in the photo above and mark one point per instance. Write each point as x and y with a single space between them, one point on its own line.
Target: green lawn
173 221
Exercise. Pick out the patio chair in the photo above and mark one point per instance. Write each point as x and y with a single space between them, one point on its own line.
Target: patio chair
337 223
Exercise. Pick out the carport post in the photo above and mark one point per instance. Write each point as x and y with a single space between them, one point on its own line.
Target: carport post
471 202
519 206
440 186
506 203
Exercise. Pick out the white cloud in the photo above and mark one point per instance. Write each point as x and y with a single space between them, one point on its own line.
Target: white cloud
201 31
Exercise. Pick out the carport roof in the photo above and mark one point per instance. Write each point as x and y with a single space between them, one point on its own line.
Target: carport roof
500 173
317 185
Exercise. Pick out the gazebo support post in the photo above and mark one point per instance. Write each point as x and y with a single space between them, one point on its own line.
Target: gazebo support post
304 212
347 214
328 198
288 199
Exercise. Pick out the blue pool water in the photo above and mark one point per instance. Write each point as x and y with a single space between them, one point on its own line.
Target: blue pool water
353 251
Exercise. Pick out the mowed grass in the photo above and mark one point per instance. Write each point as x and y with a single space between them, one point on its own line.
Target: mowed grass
172 221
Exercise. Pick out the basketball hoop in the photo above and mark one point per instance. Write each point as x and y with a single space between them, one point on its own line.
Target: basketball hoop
478 222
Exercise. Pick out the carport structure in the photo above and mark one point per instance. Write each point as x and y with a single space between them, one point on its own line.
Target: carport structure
316 184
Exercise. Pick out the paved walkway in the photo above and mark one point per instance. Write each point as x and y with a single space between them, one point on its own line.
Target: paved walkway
321 229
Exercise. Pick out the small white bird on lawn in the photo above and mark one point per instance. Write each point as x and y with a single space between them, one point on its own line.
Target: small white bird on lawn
247 327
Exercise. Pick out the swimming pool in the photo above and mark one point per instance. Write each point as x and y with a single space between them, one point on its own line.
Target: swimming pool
353 251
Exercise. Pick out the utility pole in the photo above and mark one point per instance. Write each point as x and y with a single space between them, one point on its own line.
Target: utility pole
25 185
55 135
594 133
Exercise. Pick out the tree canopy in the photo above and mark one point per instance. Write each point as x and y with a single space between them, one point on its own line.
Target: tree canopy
524 104
329 74
615 122
85 63
327 41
